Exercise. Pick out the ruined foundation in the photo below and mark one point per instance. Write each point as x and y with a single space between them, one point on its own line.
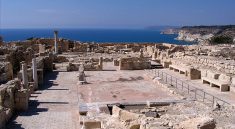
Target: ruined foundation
108 85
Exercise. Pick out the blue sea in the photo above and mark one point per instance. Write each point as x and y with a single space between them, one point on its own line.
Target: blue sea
90 35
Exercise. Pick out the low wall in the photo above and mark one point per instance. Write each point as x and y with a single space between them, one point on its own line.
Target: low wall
134 63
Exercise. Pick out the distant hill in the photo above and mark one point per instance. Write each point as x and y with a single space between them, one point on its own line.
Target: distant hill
217 34
223 27
228 30
161 28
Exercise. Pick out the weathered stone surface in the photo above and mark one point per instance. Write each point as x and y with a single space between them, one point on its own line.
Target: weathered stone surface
224 78
2 118
6 72
199 123
21 100
92 124
212 75
134 63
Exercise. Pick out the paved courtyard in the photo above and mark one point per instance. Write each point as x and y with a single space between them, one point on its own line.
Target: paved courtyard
56 104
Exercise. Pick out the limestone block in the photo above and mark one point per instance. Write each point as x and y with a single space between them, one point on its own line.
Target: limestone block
7 97
116 111
92 124
194 74
60 59
224 78
232 89
212 75
6 72
71 67
233 80
115 62
166 64
203 73
135 126
134 63
124 115
22 98
198 123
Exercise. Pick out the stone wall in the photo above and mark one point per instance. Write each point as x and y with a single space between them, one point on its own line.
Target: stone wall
91 65
6 72
14 96
78 47
7 101
48 63
134 63
219 64
60 59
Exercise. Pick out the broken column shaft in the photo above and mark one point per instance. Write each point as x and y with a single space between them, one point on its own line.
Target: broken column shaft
24 75
35 75
56 44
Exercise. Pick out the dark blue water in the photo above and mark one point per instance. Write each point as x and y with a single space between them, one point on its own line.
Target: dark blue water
90 35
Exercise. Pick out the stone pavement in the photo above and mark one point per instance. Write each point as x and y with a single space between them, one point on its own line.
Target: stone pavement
54 106
112 85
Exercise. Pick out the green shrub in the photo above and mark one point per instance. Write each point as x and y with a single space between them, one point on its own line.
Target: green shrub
221 40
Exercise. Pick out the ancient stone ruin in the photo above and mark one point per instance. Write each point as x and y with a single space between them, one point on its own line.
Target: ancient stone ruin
73 84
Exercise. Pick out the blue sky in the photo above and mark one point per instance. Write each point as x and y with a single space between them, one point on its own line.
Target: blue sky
114 13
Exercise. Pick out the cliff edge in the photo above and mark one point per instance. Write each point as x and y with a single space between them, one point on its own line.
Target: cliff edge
208 34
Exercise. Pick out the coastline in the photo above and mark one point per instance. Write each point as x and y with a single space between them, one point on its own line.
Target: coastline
119 36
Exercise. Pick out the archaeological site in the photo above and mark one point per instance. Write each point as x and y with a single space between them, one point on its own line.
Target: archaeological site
56 83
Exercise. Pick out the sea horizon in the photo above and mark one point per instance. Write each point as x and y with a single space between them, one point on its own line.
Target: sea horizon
99 35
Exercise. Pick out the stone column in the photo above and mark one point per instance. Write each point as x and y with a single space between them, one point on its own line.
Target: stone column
101 63
141 53
81 75
155 46
25 75
154 55
35 74
56 39
127 46
120 64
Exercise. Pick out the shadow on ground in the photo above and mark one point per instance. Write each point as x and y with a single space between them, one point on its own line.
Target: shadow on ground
33 108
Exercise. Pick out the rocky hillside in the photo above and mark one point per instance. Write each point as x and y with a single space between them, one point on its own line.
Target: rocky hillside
208 34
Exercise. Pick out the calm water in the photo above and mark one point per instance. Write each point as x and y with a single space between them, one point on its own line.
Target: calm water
89 35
